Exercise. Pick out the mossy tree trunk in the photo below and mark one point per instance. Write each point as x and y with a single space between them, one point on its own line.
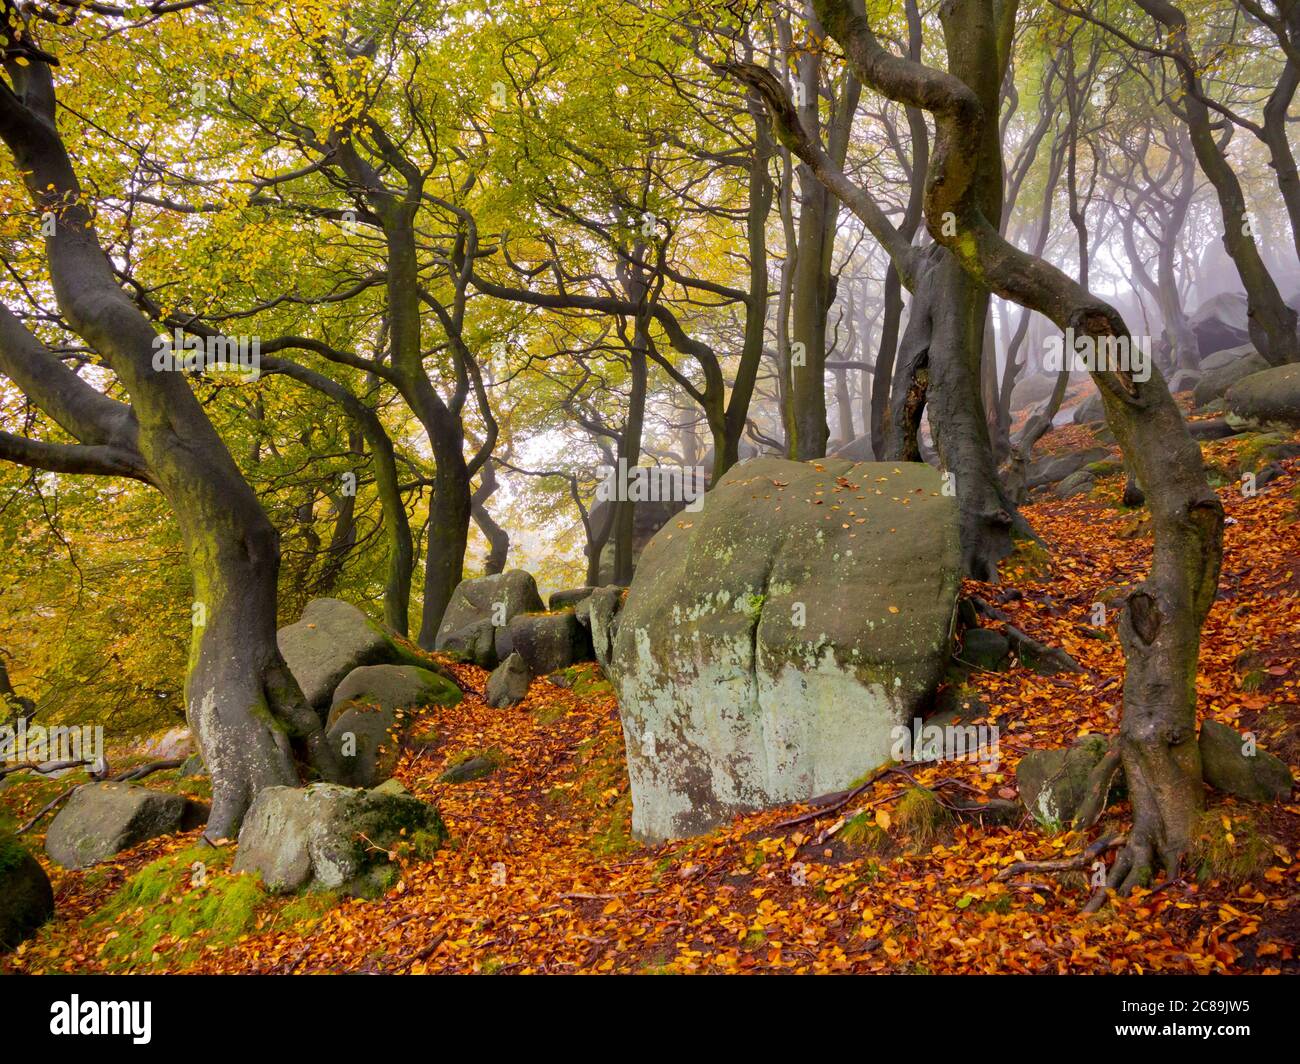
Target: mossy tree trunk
246 710
1160 629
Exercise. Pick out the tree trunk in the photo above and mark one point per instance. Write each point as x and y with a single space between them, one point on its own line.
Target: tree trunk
246 710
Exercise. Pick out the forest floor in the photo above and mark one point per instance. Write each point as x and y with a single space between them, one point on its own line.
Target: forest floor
543 875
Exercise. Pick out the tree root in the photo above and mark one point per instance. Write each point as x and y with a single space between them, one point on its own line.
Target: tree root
1097 788
1077 863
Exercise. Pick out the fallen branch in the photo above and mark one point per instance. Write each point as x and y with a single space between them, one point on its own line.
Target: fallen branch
1076 863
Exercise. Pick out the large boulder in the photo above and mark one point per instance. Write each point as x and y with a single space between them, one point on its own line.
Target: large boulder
365 720
1053 783
546 641
1269 397
330 640
508 684
394 687
331 837
26 898
858 449
1217 380
101 820
1220 323
1089 410
1231 764
481 605
769 645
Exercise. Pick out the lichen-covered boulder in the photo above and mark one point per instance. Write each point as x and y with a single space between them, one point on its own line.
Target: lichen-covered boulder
508 684
1233 764
101 820
331 837
26 898
1216 380
367 739
481 605
546 641
771 642
1052 783
1270 397
331 639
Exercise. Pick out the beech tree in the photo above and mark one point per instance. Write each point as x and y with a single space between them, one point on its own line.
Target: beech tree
244 705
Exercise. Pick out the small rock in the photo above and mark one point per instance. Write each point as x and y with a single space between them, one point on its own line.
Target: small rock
1077 483
508 684
1052 783
474 768
986 649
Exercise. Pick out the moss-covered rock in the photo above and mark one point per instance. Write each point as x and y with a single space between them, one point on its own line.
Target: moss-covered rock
985 649
481 605
366 720
1269 397
1053 783
26 898
331 640
331 837
1237 364
101 820
770 643
1234 765
1077 483
472 766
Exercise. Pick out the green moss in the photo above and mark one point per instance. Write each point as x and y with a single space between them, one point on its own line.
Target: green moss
12 852
921 818
1029 560
1253 680
1229 849
180 904
1104 468
861 832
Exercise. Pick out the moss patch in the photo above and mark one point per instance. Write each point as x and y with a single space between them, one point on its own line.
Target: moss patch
1229 848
